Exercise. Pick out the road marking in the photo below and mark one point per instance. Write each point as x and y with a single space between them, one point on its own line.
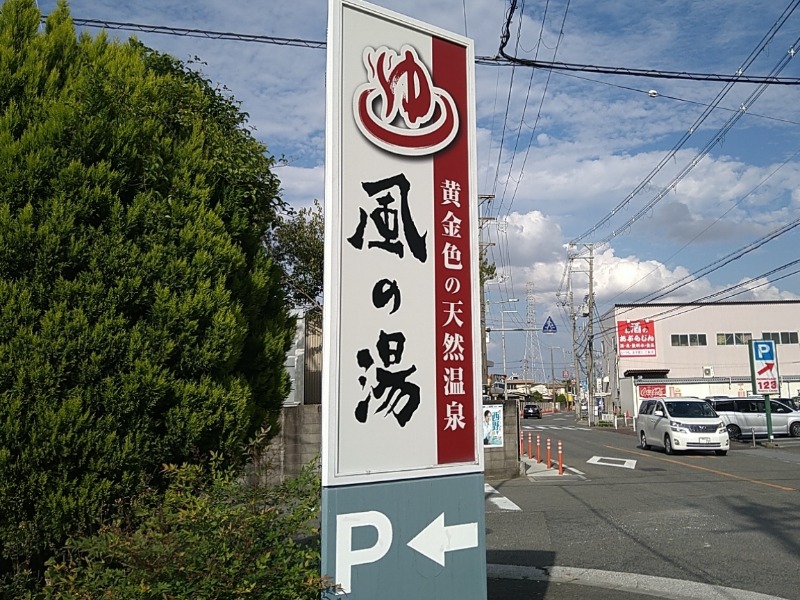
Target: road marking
606 461
651 585
555 427
500 501
715 471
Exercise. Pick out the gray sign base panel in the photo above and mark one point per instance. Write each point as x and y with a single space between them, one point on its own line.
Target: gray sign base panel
418 538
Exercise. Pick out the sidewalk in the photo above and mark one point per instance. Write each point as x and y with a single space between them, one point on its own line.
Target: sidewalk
538 471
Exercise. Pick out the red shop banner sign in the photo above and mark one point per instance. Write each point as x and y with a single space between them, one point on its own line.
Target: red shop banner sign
636 338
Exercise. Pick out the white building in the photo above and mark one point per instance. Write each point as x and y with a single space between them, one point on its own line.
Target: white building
694 349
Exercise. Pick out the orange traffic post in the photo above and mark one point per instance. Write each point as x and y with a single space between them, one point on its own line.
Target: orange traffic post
560 460
548 453
521 443
538 448
530 455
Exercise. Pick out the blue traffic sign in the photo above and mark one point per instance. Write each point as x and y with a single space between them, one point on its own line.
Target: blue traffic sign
549 326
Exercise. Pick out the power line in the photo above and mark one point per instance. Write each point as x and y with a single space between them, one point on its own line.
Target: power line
199 33
539 111
729 292
762 44
506 61
718 264
655 94
699 156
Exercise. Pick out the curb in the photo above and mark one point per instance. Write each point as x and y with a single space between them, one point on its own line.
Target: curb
661 587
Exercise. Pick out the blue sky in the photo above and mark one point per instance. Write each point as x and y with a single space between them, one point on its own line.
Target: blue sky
560 151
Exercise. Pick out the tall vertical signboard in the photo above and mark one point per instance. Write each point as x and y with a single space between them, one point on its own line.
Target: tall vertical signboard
764 374
402 456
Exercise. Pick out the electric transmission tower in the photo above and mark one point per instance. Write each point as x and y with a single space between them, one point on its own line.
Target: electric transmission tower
533 351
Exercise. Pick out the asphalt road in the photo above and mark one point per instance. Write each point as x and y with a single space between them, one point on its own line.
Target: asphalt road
624 523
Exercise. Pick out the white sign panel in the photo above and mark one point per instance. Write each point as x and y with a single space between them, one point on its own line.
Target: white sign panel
401 387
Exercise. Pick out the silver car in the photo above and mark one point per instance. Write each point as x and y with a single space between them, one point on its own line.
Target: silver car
749 416
680 424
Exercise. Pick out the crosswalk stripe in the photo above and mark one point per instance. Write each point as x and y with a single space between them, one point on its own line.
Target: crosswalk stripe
498 499
556 427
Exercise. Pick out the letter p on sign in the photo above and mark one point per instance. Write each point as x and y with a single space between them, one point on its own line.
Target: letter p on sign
346 557
764 351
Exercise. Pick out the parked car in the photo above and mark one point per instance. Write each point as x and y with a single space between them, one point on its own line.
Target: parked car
531 411
680 424
793 403
749 415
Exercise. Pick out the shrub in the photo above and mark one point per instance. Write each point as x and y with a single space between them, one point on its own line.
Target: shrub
209 537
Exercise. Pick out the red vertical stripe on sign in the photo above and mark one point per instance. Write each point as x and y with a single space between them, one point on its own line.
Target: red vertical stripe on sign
455 371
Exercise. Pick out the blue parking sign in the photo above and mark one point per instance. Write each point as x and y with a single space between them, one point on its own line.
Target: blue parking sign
764 350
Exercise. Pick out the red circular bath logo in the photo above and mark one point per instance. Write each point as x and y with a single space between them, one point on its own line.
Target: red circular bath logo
399 109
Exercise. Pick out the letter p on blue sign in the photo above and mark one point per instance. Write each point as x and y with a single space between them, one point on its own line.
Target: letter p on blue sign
764 350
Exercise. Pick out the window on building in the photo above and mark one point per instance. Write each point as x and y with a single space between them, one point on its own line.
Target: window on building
680 340
733 339
782 337
688 339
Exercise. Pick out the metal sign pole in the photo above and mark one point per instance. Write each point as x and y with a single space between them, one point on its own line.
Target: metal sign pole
769 417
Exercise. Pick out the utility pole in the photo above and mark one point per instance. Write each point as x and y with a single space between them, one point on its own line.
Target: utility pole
482 245
590 336
576 367
588 313
576 374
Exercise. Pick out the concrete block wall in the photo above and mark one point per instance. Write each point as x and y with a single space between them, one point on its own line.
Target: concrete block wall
297 444
302 436
300 442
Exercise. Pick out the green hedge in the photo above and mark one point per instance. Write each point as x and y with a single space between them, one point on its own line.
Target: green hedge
142 320
206 538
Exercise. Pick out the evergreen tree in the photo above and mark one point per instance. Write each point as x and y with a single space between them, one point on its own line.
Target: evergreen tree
142 321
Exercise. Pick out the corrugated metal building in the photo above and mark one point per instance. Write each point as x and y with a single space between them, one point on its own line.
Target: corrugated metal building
694 349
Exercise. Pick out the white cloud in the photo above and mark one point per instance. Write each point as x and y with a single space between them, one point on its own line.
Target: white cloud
574 145
301 186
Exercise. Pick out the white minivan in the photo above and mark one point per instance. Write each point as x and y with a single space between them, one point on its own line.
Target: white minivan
680 424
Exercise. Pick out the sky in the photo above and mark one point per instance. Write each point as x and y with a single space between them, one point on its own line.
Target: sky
666 189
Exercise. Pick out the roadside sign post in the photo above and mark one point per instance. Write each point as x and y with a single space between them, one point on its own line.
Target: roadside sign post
402 419
764 374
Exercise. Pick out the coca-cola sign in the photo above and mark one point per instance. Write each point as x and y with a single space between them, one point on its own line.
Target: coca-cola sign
652 391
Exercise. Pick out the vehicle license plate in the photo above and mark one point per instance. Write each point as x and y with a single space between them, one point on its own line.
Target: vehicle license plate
705 440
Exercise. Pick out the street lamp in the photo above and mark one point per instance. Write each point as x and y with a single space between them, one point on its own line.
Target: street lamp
503 342
503 338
